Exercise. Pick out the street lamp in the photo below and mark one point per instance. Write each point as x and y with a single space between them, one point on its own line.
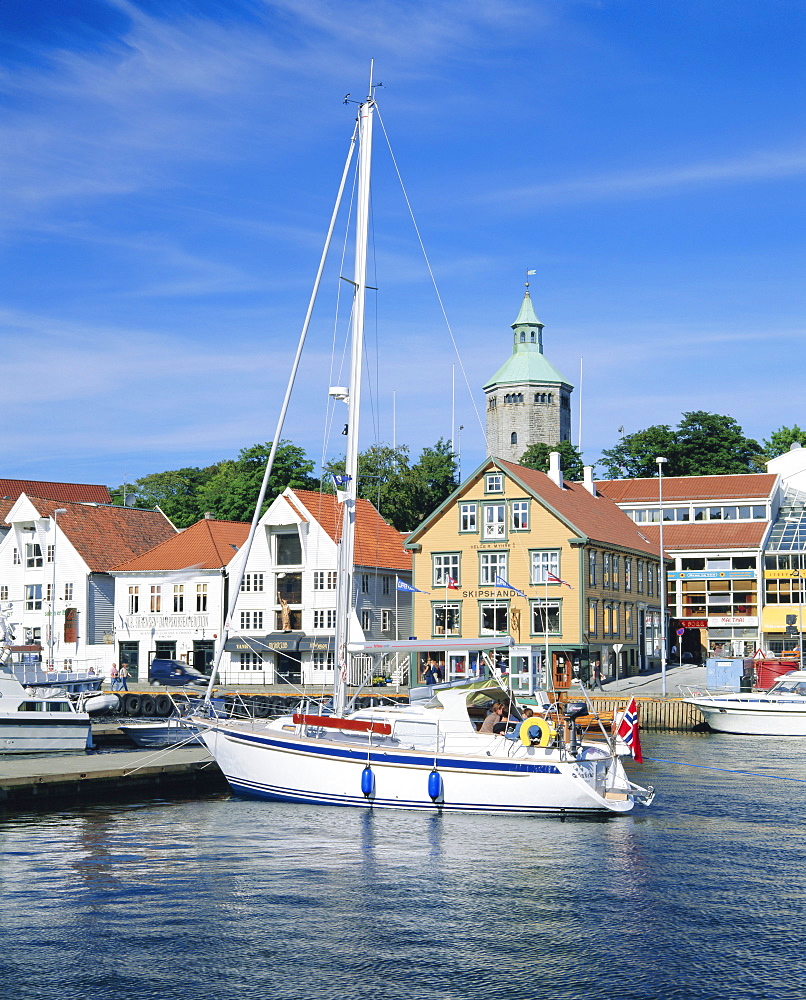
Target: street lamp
661 462
52 632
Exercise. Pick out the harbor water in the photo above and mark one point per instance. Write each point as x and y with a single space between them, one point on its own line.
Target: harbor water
699 896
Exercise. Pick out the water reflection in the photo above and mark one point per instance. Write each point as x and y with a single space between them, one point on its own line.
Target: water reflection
242 899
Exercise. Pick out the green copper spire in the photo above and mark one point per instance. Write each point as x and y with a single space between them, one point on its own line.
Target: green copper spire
527 363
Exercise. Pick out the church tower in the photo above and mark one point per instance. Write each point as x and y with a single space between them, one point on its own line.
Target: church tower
528 400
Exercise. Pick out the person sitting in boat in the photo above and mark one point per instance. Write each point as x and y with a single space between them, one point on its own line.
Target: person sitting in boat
534 731
496 717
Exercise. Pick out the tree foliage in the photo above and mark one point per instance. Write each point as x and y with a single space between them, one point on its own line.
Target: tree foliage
536 456
702 444
228 489
232 492
781 441
404 493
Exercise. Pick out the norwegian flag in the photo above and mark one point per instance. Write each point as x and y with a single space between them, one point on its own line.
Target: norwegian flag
628 731
451 584
555 579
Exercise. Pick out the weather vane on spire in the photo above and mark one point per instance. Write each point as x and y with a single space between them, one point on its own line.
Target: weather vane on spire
528 273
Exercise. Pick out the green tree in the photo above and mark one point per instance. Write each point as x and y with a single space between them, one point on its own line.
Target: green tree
781 441
536 456
703 444
175 492
405 494
232 492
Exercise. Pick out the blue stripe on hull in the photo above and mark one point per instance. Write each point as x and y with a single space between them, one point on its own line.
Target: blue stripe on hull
386 756
276 793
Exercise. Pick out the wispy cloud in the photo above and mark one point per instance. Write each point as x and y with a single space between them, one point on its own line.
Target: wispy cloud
761 166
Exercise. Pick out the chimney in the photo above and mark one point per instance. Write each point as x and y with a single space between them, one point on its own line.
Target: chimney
555 472
587 480
209 515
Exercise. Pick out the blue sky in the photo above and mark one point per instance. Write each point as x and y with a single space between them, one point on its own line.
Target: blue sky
170 168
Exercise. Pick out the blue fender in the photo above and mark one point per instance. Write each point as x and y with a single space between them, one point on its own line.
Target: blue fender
435 785
367 781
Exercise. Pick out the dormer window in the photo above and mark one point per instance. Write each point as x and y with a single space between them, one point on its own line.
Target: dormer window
495 482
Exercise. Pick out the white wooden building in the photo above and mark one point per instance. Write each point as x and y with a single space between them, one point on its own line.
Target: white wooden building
54 574
284 623
170 602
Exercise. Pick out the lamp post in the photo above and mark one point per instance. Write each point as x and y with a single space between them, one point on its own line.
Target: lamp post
661 462
52 630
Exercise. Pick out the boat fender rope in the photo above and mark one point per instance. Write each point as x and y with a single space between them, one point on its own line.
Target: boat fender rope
547 731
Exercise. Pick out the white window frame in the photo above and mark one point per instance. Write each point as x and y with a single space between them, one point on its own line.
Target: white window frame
554 604
386 620
201 597
179 598
324 579
519 515
33 597
321 660
495 527
494 482
68 592
468 518
490 565
33 555
366 620
134 600
252 583
454 616
544 561
445 564
156 600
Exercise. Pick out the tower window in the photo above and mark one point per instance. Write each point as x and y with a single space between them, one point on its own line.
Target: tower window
513 438
523 336
533 336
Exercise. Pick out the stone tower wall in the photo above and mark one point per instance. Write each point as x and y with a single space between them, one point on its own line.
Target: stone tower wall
546 421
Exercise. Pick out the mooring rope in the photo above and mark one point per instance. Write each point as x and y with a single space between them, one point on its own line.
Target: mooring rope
730 770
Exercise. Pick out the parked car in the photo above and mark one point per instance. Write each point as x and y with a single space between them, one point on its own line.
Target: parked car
174 673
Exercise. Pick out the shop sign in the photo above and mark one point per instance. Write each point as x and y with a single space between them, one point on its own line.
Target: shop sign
166 621
784 574
715 574
722 621
694 622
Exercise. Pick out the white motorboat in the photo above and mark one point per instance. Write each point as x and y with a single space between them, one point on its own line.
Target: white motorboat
39 722
781 711
166 733
428 754
36 720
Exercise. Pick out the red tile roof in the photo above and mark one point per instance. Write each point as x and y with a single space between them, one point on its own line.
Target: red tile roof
709 534
105 535
754 485
207 544
377 543
596 517
76 492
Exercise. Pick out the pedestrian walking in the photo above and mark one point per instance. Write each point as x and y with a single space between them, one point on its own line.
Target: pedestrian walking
113 677
123 674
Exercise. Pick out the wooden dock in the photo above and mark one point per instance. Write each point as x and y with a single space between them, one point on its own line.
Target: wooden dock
658 714
41 782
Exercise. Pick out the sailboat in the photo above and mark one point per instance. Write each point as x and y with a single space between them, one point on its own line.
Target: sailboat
427 754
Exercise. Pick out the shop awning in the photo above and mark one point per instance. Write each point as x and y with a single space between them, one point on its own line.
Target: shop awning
283 642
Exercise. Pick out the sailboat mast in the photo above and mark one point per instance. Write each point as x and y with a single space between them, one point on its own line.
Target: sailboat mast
344 608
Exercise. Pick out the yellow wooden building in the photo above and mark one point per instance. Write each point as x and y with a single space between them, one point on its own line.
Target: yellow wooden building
552 563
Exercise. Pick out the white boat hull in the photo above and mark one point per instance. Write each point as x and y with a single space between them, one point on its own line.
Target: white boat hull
44 735
160 734
261 762
752 716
